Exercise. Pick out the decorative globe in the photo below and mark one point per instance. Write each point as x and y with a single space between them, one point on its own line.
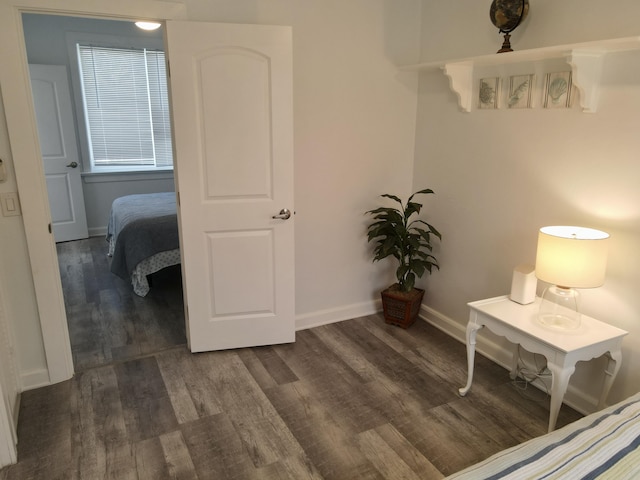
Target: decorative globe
506 15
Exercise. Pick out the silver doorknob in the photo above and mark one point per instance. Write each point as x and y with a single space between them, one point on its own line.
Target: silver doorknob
73 164
284 214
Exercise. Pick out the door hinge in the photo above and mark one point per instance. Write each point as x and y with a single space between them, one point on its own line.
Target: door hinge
178 198
49 227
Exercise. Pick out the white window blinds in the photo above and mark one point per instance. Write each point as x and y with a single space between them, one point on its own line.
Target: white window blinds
126 106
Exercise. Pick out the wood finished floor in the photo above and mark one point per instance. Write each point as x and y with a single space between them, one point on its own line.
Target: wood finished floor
107 321
353 400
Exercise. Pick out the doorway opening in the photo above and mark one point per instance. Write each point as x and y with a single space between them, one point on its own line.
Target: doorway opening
107 321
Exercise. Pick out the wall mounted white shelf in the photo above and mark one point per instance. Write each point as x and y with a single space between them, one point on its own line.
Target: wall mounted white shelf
585 59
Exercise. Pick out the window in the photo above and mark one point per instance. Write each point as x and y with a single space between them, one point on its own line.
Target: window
126 107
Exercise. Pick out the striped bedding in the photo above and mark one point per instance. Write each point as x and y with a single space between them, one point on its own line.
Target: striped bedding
603 445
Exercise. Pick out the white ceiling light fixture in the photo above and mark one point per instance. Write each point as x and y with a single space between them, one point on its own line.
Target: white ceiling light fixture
148 25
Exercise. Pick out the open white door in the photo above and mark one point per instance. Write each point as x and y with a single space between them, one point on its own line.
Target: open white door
52 102
231 93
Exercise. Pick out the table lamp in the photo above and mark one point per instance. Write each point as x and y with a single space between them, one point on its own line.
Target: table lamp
568 258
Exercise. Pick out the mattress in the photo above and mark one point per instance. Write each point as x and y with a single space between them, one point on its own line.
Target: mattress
143 237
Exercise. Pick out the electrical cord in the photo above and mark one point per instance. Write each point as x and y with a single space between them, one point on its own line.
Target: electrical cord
526 374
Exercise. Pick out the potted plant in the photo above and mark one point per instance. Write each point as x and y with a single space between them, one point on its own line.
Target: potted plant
407 240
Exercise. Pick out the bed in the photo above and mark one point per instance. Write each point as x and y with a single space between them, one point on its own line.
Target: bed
603 445
143 237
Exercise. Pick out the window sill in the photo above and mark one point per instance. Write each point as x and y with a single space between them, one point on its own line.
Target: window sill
100 177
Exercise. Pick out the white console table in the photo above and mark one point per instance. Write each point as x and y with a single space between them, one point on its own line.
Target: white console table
562 349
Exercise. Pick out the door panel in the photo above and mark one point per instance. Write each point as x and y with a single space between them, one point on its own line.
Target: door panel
232 109
237 127
56 131
62 211
233 254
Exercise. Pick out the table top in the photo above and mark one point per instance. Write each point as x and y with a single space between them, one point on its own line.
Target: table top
524 318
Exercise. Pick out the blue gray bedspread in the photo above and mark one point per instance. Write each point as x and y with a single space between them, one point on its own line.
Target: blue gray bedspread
141 225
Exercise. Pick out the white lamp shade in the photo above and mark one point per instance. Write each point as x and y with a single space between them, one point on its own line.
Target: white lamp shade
572 256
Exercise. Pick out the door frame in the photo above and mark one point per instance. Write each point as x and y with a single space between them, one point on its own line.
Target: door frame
8 450
23 138
8 392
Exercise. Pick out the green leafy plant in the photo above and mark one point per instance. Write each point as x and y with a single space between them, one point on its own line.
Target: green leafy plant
408 241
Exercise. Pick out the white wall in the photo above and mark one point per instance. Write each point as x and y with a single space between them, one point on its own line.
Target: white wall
500 175
353 139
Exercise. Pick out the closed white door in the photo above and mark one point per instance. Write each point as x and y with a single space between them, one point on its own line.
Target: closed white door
231 94
59 149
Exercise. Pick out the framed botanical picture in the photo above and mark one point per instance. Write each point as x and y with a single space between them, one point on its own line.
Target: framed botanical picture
520 89
488 93
557 90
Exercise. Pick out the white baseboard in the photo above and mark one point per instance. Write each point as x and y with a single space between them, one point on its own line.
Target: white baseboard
333 315
98 232
35 379
576 399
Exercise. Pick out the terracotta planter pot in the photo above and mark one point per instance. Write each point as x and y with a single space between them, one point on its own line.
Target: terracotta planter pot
401 308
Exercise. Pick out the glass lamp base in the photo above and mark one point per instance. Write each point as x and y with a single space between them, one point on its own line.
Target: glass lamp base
559 308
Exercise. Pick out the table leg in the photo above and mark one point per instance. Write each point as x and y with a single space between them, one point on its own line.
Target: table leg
515 351
559 382
472 330
615 360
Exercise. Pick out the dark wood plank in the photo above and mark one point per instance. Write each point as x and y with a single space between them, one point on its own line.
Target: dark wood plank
98 423
276 367
256 368
331 447
146 405
121 463
330 379
418 463
44 444
103 277
291 467
150 460
179 463
390 461
216 449
409 376
91 283
87 335
191 390
263 432
157 326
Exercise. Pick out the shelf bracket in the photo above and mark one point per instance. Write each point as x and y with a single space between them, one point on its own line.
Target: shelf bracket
586 70
461 82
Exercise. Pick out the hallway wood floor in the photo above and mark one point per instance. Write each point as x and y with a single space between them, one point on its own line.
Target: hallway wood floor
107 321
357 399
